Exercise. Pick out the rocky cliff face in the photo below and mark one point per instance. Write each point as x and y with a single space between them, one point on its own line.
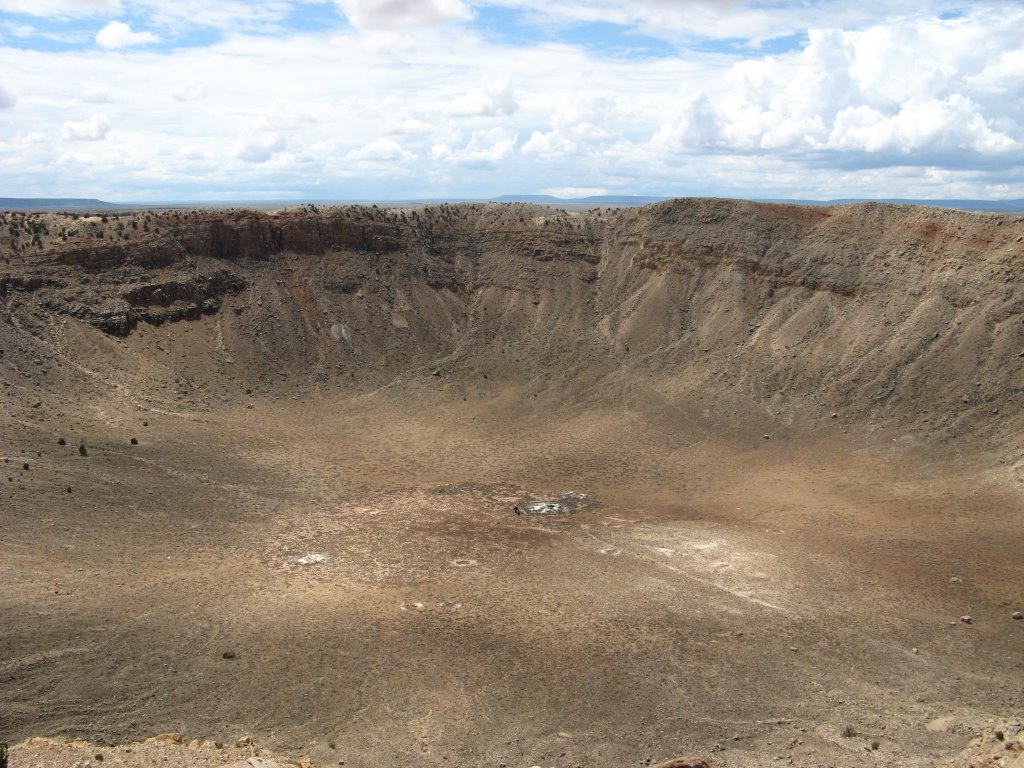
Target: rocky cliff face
902 315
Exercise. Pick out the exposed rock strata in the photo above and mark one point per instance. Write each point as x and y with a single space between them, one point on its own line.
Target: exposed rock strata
904 314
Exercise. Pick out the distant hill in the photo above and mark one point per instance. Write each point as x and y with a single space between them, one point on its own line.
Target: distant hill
590 200
51 203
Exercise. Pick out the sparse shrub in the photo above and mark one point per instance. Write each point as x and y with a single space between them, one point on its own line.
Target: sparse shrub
848 732
62 441
82 450
134 441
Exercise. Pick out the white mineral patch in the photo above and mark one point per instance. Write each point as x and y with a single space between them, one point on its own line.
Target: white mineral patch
340 331
545 508
312 558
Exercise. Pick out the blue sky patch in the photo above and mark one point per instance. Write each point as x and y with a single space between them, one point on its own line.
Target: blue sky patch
509 26
315 18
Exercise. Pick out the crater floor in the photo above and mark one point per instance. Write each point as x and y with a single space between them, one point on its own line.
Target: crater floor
742 598
261 475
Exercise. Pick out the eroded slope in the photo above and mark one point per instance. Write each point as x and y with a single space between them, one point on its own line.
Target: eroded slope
901 316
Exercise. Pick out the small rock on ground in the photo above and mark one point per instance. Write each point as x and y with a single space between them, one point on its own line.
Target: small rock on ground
691 761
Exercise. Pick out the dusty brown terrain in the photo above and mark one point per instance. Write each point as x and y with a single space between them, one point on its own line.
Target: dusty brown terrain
292 445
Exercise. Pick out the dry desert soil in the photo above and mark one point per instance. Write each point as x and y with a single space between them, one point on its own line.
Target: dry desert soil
261 471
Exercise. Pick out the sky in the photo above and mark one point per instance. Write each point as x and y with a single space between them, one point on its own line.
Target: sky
191 100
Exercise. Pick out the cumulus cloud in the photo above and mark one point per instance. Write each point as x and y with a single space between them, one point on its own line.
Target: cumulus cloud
484 149
382 150
7 99
953 123
395 14
27 139
1002 75
117 34
412 126
547 145
492 99
259 147
696 127
579 125
92 128
851 92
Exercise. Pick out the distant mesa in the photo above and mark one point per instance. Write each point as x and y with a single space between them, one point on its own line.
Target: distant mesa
52 203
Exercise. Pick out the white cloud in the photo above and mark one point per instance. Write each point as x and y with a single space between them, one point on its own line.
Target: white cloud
953 123
259 147
92 128
191 152
394 14
7 99
64 36
484 149
547 145
97 94
72 158
385 43
571 193
580 125
492 99
894 89
695 127
382 150
190 92
117 34
62 7
284 115
1001 76
31 138
413 126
